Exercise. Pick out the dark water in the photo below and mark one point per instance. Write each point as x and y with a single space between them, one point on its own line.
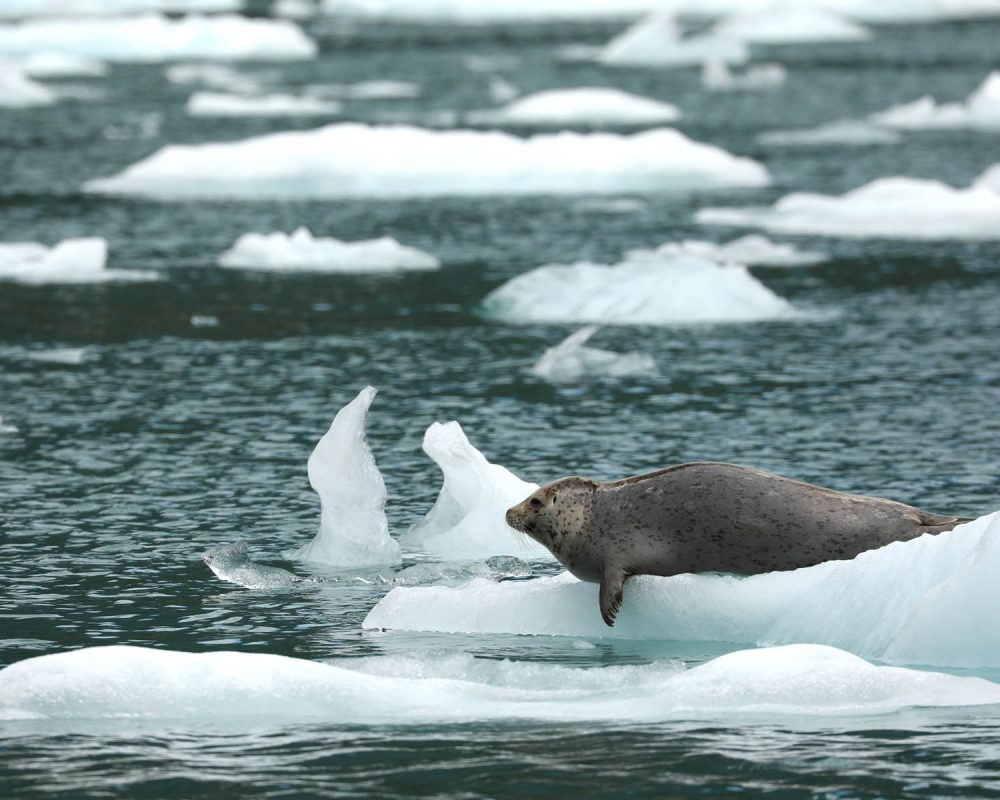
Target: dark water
171 438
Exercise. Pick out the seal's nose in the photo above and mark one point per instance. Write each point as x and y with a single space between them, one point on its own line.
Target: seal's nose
510 516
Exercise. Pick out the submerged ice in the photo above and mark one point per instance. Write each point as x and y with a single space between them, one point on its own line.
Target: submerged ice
232 563
571 360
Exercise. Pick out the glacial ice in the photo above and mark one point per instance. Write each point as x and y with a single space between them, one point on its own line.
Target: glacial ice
467 519
214 76
18 90
61 65
890 208
139 683
232 563
70 261
839 132
751 250
570 361
716 76
356 160
981 110
218 104
154 37
651 290
656 42
582 106
353 530
478 11
787 23
926 601
300 251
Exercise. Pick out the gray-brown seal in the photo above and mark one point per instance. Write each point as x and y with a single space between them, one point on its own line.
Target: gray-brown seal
707 517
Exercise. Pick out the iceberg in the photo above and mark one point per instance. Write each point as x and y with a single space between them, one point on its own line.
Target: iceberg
154 37
467 519
279 252
751 250
570 361
926 601
981 110
214 76
787 23
18 90
887 208
656 42
655 289
353 530
232 563
146 684
70 261
217 104
583 106
355 160
61 65
846 132
717 77
480 12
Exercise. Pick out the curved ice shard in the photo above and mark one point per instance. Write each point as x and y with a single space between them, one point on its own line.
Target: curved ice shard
571 361
467 519
353 530
232 563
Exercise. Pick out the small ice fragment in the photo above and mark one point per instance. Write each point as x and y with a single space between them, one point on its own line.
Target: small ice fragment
594 106
783 23
218 104
750 250
981 110
4 428
204 321
70 356
569 361
366 90
71 261
232 563
54 64
18 90
502 90
294 9
716 76
839 132
213 76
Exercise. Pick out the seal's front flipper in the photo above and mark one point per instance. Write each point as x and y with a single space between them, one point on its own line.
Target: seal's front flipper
612 584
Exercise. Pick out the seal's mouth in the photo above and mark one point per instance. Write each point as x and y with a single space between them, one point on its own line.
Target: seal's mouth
519 524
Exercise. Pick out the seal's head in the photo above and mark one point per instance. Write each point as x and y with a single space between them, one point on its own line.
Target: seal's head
557 516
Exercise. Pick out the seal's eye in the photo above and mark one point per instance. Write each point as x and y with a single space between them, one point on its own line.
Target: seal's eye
535 503
554 497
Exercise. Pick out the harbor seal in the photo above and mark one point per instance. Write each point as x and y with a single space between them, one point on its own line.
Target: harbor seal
707 517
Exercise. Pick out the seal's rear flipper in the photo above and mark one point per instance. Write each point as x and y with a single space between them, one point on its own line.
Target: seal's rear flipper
612 583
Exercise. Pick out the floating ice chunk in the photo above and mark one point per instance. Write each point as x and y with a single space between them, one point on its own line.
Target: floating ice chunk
467 519
750 250
154 37
980 110
353 530
367 90
67 356
582 106
4 428
656 42
18 90
216 104
214 76
785 23
70 261
839 132
717 77
62 65
353 160
232 563
17 9
916 602
569 361
890 208
478 11
294 9
651 290
502 90
204 321
300 251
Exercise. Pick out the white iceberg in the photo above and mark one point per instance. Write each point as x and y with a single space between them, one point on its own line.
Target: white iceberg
382 89
787 23
18 90
138 683
467 519
654 290
217 104
300 251
888 208
153 37
716 76
70 261
61 65
214 76
981 110
656 42
354 160
18 9
581 106
926 601
570 361
494 11
751 250
353 530
846 132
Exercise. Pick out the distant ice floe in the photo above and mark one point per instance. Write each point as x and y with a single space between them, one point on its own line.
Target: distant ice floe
70 261
353 529
926 601
355 160
213 76
847 132
891 208
232 563
716 76
656 41
649 288
138 683
301 251
217 104
153 37
65 356
874 12
788 23
980 110
19 90
18 9
367 90
467 519
479 12
581 106
751 250
61 65
570 361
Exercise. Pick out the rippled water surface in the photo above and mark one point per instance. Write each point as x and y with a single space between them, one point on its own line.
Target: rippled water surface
168 439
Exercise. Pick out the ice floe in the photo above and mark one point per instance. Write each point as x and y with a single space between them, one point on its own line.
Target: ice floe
582 106
716 76
61 65
571 361
154 37
217 104
750 250
213 76
70 261
874 12
891 208
650 289
846 132
138 683
981 110
353 529
916 602
18 90
787 23
232 563
347 159
17 9
478 11
467 519
301 251
656 41
382 89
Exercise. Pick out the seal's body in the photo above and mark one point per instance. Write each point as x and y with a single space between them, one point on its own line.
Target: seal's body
707 517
